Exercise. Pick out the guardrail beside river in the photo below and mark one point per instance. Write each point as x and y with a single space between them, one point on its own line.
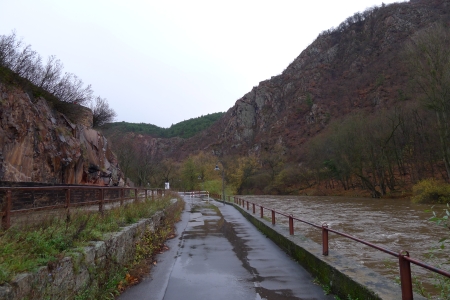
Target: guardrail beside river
18 200
403 256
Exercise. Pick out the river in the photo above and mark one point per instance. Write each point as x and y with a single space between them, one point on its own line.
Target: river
396 224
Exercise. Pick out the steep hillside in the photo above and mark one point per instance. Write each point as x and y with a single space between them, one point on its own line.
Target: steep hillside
355 67
40 144
345 114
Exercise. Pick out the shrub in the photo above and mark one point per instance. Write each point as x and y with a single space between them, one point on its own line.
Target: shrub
431 191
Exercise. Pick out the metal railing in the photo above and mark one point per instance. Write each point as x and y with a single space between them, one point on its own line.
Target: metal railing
197 194
403 256
19 200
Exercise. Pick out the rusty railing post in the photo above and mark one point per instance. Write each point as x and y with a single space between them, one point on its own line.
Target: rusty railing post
121 195
153 196
325 239
100 203
262 212
405 275
145 194
135 195
6 218
273 217
253 208
291 225
68 204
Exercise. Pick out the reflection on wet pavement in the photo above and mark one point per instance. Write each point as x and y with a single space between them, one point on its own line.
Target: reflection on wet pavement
222 256
218 255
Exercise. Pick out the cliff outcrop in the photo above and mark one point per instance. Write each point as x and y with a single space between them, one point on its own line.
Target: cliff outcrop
39 144
355 67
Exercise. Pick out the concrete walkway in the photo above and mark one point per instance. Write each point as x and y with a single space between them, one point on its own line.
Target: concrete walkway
218 254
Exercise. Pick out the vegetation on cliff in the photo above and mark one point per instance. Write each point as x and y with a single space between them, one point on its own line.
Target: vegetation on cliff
22 66
362 111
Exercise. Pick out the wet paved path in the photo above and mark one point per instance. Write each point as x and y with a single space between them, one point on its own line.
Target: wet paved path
218 254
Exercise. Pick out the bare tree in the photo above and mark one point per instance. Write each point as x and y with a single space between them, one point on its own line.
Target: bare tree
8 48
26 63
428 56
121 145
50 74
102 112
144 165
70 89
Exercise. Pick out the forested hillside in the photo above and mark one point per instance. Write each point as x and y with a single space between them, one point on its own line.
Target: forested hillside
184 129
363 110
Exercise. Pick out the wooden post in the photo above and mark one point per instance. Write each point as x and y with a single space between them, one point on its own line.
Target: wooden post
273 217
6 218
68 204
135 195
100 204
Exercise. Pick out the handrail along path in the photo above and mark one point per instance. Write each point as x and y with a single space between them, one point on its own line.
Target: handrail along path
19 200
403 256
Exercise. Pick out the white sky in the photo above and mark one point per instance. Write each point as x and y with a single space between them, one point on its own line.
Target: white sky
162 62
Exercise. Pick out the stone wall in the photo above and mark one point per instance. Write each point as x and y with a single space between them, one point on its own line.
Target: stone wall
73 274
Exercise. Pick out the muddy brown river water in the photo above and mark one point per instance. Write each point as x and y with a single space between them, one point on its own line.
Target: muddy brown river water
396 224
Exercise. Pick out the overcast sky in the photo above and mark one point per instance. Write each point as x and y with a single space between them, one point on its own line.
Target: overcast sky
162 62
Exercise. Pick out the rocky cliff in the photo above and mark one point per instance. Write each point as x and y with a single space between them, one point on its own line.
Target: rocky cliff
39 144
355 67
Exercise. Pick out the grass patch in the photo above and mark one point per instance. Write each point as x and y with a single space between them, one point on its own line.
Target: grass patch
24 249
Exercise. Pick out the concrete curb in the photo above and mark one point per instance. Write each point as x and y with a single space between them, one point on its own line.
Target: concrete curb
344 276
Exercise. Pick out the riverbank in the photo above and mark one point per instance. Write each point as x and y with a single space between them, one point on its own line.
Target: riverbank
338 274
395 225
352 192
430 191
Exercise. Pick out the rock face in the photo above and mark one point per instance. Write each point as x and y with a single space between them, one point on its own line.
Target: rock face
38 144
355 67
